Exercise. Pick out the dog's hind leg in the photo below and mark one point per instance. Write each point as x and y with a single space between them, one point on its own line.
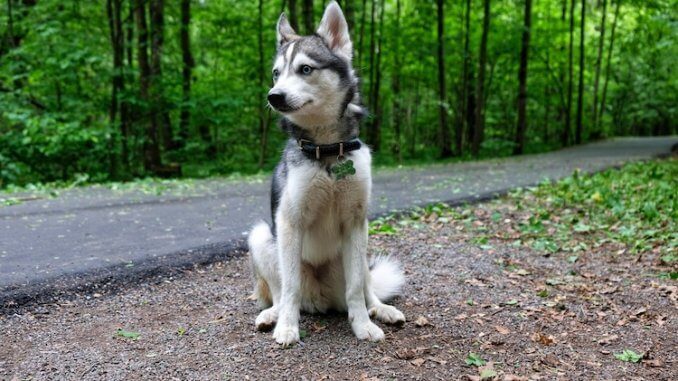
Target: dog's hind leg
264 261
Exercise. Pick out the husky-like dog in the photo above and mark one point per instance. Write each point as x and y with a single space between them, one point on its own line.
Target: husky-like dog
314 257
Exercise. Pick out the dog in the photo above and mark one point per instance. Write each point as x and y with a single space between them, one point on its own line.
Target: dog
314 256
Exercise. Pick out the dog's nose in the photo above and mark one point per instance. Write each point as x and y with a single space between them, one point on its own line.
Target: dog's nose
277 99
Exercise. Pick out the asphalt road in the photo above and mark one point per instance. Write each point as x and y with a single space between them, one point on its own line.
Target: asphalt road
99 230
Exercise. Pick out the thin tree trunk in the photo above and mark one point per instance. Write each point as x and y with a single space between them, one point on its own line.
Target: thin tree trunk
151 149
568 112
395 86
307 16
522 80
599 62
479 130
159 108
371 133
294 18
443 130
580 98
362 34
263 117
347 5
608 66
463 98
10 28
186 72
378 112
114 11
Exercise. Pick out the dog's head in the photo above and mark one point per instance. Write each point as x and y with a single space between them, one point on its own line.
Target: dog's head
314 82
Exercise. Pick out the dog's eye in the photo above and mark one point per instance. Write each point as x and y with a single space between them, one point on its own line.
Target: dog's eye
306 70
276 74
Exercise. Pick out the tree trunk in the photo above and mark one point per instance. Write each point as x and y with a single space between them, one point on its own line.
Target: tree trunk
263 117
479 130
443 131
307 15
158 106
362 35
186 72
608 66
376 121
599 60
114 11
371 133
570 63
294 19
395 86
347 5
522 80
463 98
151 149
580 98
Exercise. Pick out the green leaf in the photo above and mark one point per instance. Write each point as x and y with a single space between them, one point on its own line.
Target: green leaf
572 258
543 293
628 355
488 374
474 360
302 333
127 334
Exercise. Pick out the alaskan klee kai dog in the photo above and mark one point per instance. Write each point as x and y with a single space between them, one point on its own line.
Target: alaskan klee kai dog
314 257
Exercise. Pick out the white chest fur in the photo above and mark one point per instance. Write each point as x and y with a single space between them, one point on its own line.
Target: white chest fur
324 208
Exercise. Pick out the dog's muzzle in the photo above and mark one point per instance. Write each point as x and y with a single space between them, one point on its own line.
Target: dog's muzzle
278 100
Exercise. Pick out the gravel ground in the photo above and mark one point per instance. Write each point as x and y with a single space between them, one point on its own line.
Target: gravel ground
530 316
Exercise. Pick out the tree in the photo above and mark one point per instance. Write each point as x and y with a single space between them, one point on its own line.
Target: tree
465 91
568 113
186 72
150 146
158 105
263 115
479 130
294 19
307 16
114 13
444 132
608 65
395 87
599 59
522 80
580 98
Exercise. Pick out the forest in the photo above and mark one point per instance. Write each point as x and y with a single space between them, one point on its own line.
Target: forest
111 90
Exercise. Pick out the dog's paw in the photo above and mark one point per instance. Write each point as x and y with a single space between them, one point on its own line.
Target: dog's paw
367 331
286 335
266 319
387 314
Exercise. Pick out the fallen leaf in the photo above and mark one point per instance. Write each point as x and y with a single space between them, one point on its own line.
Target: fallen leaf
460 317
421 322
640 311
512 377
656 363
418 362
405 354
607 340
501 329
539 337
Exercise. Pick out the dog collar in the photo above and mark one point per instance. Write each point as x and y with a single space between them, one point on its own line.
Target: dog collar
318 151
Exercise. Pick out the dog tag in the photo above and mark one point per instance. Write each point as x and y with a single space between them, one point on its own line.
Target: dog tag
343 169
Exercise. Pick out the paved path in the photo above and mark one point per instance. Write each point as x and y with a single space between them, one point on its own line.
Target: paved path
95 229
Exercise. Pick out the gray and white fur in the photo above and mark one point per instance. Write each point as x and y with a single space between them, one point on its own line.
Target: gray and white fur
314 257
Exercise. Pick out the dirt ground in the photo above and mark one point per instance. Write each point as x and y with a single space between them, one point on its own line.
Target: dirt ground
528 315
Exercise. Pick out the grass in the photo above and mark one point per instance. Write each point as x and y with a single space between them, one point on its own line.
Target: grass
633 209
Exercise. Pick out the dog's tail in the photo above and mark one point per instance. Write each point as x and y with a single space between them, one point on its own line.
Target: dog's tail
387 277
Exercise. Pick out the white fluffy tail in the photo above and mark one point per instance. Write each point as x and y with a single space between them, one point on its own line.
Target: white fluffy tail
260 238
387 278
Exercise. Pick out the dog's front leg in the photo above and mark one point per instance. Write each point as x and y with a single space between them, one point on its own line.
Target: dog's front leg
289 259
356 270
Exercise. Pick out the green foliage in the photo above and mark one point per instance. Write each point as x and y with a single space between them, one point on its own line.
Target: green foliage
474 359
56 71
628 355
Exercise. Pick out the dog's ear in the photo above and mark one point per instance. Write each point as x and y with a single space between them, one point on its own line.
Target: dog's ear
334 30
284 30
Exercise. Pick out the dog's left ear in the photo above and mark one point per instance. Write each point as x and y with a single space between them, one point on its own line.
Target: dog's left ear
334 30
